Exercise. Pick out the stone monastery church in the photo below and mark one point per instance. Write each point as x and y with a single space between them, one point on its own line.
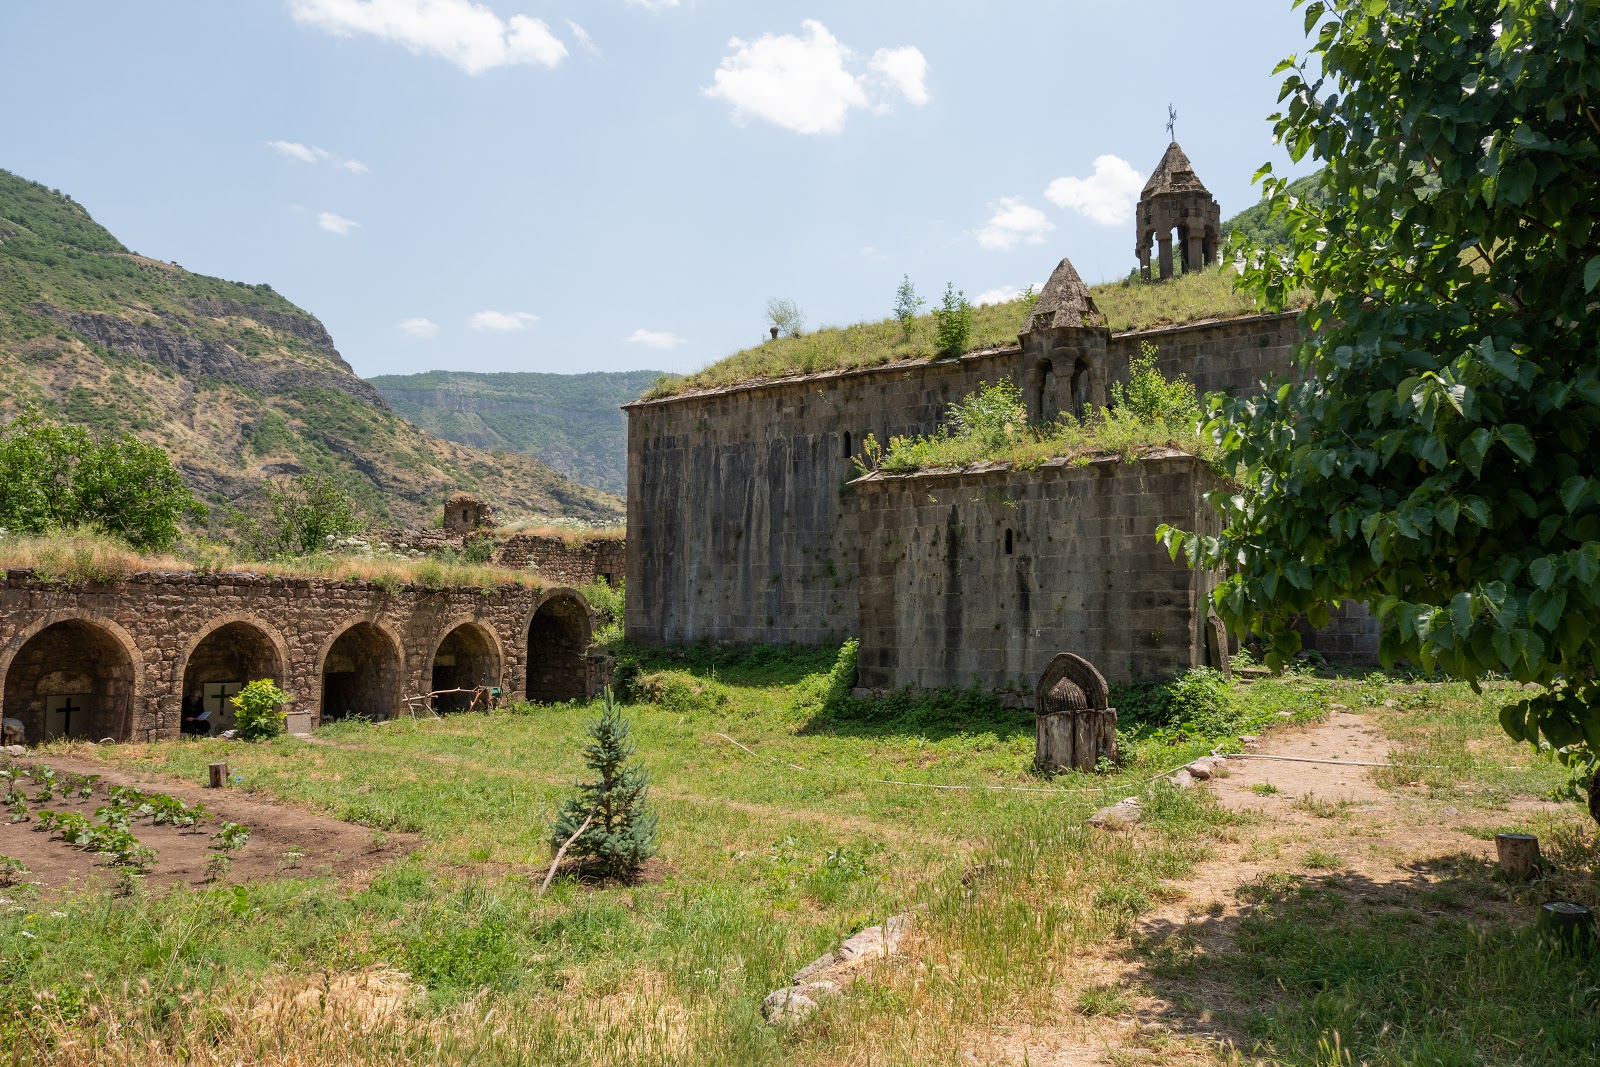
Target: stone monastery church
748 521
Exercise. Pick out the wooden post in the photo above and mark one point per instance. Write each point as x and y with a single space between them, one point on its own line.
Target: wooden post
1519 856
219 776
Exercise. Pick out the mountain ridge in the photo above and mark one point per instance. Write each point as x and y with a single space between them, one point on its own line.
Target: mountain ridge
235 381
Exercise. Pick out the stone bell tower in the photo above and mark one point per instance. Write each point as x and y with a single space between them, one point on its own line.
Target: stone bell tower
1174 199
1064 349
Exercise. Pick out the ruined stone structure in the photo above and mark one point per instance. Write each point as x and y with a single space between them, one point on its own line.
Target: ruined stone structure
577 562
116 661
984 575
464 514
1175 200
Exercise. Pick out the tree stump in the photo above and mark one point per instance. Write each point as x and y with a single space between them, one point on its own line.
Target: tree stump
219 775
1519 856
1567 925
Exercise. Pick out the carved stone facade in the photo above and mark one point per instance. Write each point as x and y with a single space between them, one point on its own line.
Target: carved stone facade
119 660
1176 201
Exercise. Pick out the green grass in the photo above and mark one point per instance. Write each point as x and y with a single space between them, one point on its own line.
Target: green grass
762 868
1127 305
767 860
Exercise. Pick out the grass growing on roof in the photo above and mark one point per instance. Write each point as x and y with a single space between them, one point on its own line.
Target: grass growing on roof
1129 304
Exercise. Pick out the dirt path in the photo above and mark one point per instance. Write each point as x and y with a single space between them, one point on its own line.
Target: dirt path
1315 819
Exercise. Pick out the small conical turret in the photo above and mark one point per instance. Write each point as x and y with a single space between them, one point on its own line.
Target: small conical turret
1176 200
1065 303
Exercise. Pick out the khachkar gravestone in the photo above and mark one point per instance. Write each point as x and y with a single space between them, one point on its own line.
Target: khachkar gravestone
1077 727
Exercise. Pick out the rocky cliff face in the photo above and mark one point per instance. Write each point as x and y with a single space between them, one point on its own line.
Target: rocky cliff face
237 383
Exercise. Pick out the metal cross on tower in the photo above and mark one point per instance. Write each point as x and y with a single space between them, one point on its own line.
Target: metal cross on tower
1172 123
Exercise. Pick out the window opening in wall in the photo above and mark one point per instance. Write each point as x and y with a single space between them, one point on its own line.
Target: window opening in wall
1010 544
465 661
219 666
848 451
72 679
361 676
558 639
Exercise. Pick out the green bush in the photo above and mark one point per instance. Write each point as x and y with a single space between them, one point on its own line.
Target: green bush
301 517
609 604
952 322
679 691
56 476
1150 397
258 710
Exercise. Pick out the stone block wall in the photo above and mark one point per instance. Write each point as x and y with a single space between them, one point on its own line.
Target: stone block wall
982 577
576 564
1226 356
125 654
741 520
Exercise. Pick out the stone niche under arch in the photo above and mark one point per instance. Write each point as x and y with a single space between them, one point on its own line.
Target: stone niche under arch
558 641
467 658
223 662
361 675
73 678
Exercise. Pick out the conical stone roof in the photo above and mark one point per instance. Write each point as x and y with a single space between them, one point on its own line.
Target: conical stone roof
1174 175
1065 303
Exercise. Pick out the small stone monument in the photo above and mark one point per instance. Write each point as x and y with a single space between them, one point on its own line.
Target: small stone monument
1077 727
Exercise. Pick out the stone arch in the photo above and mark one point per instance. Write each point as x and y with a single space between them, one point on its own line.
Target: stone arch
227 653
466 655
72 674
1082 388
560 630
1044 390
361 672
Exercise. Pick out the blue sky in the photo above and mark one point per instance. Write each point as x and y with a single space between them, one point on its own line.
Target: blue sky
614 184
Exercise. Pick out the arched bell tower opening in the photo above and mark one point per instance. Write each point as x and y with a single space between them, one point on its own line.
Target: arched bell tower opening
1176 207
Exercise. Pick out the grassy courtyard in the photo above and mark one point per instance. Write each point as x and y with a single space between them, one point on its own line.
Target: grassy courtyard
769 857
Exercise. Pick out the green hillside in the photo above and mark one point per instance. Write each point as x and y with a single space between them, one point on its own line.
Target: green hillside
1253 223
573 422
236 382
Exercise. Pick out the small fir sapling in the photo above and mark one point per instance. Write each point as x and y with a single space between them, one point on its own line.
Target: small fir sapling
622 832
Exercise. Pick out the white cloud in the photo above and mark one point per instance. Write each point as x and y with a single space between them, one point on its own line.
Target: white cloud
465 32
581 35
1014 223
906 69
336 223
421 329
501 321
296 150
1108 196
309 153
1002 294
655 338
806 84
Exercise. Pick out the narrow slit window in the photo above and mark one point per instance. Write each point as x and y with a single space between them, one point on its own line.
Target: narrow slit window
848 450
1010 543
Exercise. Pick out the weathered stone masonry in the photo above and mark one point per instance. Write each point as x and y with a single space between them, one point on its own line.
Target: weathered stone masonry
742 527
116 660
983 576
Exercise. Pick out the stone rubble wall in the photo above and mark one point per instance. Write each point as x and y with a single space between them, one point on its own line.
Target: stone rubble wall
943 605
159 620
576 564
